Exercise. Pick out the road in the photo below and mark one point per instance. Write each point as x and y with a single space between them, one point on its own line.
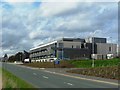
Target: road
41 78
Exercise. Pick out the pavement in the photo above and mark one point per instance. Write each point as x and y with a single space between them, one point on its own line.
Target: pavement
57 78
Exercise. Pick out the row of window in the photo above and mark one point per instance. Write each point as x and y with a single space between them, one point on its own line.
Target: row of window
39 57
61 45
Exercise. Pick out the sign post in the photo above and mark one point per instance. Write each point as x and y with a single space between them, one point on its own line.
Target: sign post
56 62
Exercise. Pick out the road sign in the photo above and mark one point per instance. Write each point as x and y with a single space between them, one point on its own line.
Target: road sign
57 62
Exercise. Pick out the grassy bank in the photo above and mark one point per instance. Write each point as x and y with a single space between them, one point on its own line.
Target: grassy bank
75 63
0 78
103 68
11 81
0 71
63 64
98 63
104 72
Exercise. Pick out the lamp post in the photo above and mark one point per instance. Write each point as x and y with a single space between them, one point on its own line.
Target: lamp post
111 47
93 44
62 53
93 63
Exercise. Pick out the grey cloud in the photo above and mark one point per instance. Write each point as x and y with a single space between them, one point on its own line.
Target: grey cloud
18 27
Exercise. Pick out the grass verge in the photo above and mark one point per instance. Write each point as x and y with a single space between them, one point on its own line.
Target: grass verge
10 81
103 68
75 63
98 63
63 64
104 72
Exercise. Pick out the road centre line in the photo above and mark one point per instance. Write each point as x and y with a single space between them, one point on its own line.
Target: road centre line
100 81
45 77
34 74
68 83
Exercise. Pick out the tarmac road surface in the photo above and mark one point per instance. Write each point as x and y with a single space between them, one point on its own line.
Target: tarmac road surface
41 78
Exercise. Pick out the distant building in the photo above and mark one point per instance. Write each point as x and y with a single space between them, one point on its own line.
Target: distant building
73 49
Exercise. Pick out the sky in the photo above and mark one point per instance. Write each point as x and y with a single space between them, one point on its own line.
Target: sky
24 25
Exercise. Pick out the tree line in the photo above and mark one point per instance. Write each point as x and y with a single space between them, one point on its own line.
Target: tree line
20 56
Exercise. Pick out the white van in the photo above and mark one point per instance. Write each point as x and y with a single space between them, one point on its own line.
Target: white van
27 60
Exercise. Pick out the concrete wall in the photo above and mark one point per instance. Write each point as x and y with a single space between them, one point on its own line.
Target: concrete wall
103 48
74 52
95 40
68 44
77 53
75 49
40 52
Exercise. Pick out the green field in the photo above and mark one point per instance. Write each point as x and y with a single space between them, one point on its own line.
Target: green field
75 63
0 71
10 81
103 68
98 63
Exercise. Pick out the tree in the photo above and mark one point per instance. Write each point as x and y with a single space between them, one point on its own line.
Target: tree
19 56
11 58
26 54
5 57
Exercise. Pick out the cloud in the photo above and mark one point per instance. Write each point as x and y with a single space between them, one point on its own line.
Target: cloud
54 8
25 25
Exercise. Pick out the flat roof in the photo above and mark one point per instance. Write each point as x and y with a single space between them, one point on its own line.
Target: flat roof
43 45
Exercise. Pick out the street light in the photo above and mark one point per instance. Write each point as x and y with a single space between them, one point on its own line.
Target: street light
111 47
93 63
92 37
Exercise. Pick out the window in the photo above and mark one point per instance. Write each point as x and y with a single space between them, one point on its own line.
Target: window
55 44
72 46
61 45
78 46
82 45
109 48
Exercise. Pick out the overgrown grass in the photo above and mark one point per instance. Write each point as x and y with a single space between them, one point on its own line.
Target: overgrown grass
11 81
63 64
75 63
0 70
98 63
111 72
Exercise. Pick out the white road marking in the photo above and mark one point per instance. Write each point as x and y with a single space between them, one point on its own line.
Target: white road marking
50 71
100 81
34 74
42 68
68 83
45 77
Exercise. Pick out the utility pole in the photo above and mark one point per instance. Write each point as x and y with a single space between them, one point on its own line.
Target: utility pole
111 47
93 49
93 63
62 53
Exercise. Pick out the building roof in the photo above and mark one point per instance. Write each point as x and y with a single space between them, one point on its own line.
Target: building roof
63 39
43 45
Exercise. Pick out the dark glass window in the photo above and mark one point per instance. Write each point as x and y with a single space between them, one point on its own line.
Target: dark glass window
72 46
109 48
78 46
82 45
61 45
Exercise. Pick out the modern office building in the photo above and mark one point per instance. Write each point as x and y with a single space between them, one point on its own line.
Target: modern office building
73 49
